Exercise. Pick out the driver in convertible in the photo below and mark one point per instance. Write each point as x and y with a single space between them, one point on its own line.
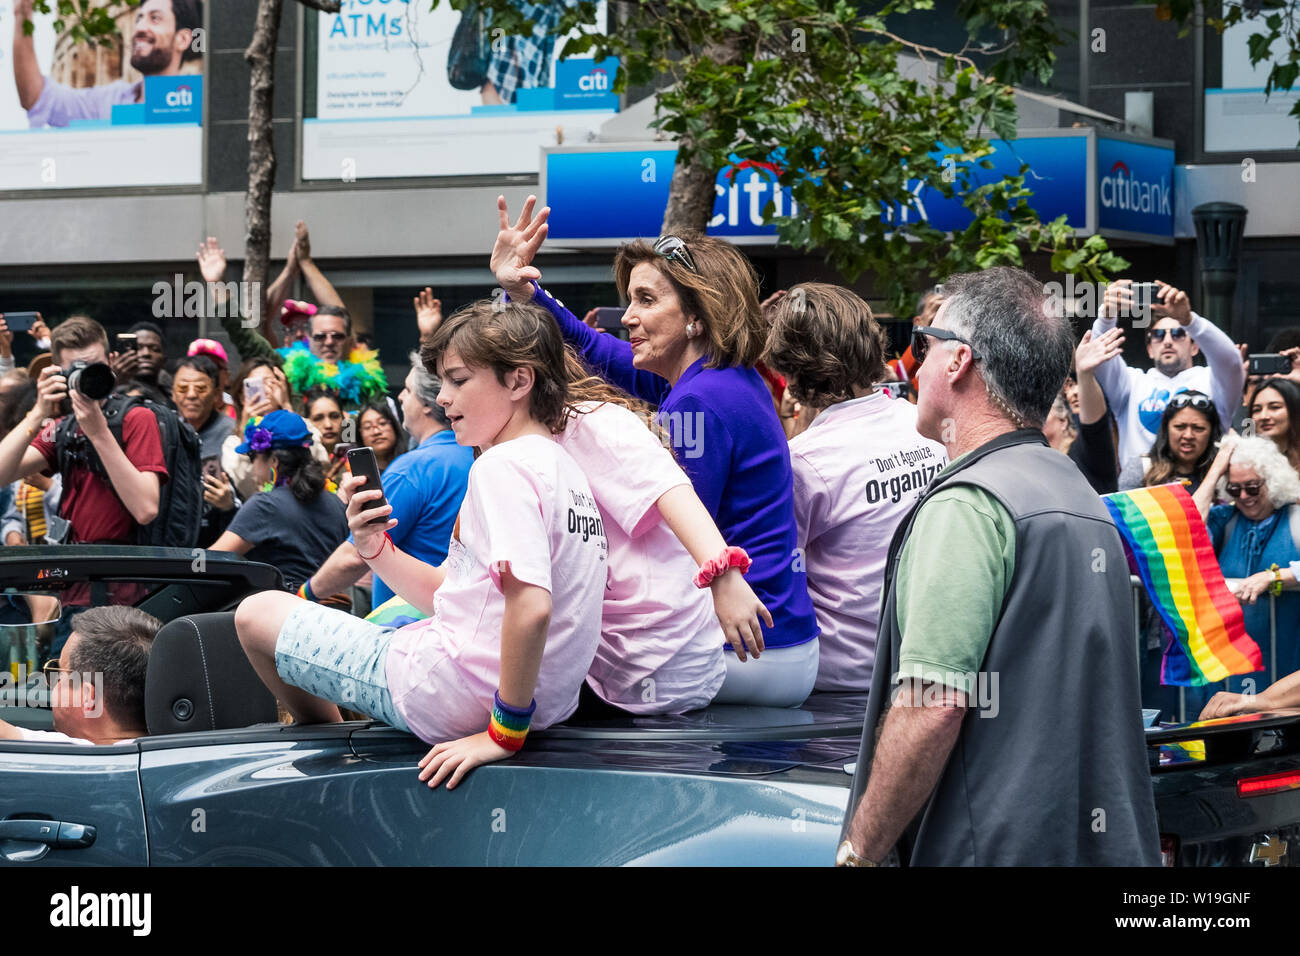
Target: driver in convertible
96 685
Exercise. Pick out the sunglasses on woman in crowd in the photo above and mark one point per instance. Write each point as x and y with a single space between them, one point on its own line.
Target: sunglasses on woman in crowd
1247 489
674 250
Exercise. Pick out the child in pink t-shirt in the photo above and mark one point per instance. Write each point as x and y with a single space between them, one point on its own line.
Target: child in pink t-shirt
515 607
858 468
661 636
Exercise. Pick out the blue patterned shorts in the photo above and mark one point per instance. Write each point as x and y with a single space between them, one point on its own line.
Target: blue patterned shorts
340 658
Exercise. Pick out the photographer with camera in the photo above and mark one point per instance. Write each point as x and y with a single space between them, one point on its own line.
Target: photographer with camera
110 485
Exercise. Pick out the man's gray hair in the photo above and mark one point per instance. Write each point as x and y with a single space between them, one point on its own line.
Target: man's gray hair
427 386
1024 348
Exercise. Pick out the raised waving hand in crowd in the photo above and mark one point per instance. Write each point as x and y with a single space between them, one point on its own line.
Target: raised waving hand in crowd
515 247
428 312
1093 350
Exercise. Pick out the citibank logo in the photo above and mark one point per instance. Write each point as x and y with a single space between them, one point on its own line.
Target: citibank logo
762 177
181 96
1122 190
597 81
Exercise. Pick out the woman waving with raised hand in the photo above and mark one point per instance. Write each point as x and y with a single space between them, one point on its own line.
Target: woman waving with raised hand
695 334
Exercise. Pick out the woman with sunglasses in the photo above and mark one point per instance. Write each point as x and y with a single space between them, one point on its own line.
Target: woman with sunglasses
695 333
1257 540
1185 445
1275 410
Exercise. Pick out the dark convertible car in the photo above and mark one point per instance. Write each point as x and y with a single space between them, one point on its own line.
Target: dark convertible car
220 781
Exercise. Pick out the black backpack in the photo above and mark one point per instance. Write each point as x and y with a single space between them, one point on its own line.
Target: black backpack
180 497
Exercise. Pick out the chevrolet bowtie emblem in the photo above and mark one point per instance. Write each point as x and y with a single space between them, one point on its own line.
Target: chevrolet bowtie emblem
1270 851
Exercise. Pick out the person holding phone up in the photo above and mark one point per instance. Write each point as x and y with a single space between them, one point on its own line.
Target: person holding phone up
1175 335
29 322
294 523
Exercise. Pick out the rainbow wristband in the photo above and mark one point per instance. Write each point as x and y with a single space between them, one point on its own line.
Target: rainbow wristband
509 725
304 591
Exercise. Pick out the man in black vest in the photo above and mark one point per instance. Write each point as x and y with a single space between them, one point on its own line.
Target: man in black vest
1004 725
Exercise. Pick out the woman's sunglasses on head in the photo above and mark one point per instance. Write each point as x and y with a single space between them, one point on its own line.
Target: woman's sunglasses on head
1184 400
674 250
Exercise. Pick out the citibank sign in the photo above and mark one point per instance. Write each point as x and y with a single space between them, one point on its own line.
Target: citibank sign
1135 188
1121 189
1108 184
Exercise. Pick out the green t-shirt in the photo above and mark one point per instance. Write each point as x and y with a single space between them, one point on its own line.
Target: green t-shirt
952 578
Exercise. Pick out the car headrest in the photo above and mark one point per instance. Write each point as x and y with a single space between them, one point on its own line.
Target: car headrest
199 678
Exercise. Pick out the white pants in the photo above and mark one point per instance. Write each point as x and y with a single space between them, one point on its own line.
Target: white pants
781 677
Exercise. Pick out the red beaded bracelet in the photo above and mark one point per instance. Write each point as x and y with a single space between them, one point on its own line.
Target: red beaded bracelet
728 559
387 540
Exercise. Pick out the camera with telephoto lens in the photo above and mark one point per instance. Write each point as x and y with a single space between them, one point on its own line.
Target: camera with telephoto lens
95 380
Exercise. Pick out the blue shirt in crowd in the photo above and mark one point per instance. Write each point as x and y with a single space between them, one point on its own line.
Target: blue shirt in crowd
1248 548
728 438
425 486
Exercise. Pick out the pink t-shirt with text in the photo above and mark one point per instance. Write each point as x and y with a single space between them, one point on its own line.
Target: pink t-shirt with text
858 469
661 644
528 505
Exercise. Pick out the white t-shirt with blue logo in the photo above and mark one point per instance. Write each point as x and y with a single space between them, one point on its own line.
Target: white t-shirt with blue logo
1138 398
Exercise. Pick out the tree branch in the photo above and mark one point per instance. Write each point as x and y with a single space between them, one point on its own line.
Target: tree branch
324 6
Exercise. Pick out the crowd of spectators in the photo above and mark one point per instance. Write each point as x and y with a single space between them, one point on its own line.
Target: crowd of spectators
747 496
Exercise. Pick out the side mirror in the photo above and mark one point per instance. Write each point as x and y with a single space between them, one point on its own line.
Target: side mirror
27 627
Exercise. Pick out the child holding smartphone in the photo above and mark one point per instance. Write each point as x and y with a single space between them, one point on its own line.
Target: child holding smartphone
516 607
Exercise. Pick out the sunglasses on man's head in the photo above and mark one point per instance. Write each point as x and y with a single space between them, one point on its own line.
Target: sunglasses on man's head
1247 489
1158 335
921 335
674 250
1183 400
328 337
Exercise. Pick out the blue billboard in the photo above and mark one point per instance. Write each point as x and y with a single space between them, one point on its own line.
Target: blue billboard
1058 169
613 193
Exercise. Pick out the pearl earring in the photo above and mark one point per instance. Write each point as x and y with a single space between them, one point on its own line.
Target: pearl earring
690 328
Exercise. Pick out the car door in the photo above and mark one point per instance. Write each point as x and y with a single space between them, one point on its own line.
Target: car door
267 795
627 799
70 805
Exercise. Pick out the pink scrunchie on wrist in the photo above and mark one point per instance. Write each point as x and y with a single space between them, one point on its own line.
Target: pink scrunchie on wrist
728 559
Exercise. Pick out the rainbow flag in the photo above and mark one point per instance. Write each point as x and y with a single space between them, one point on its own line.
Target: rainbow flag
1169 547
395 613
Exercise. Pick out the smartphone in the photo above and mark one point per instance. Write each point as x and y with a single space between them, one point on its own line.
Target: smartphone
1268 363
212 468
609 318
126 341
254 391
361 461
21 321
1145 294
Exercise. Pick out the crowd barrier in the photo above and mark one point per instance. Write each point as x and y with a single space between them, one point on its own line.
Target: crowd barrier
1140 602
